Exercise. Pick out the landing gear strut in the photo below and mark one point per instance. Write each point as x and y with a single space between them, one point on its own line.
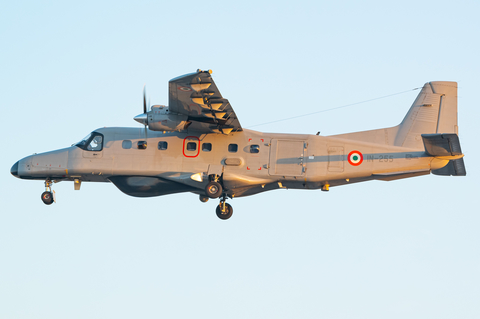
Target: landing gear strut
47 195
224 210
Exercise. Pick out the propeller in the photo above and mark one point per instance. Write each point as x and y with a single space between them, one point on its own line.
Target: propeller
143 118
144 99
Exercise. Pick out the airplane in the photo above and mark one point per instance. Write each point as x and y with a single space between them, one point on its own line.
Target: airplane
196 144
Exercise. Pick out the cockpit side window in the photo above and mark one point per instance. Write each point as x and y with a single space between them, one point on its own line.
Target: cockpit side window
96 144
93 142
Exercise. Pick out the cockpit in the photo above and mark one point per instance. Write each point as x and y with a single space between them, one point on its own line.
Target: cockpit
92 142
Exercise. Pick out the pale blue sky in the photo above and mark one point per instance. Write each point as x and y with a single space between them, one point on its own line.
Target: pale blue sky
404 249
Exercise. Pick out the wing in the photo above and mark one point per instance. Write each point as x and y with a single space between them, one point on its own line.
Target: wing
197 96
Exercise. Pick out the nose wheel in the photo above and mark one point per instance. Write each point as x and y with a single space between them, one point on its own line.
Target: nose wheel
224 210
47 195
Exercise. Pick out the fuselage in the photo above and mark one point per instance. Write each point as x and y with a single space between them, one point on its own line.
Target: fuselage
248 162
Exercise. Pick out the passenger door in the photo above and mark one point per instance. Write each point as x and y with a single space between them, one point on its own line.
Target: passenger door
287 157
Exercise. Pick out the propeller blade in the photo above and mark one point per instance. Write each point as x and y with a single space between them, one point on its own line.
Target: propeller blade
143 118
144 100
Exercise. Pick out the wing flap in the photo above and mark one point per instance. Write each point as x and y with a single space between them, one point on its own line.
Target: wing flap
197 96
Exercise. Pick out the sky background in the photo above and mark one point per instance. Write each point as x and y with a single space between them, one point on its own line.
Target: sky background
403 249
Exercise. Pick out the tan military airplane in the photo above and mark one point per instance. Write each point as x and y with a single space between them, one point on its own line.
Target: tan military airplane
196 144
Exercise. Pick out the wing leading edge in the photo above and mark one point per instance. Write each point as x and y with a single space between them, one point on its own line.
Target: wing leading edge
197 96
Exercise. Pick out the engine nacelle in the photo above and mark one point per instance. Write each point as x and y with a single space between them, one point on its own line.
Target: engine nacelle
159 119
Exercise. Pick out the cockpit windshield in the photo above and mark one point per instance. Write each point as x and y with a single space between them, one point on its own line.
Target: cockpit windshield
92 142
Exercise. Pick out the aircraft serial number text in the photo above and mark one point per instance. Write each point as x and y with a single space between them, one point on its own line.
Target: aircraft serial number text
380 158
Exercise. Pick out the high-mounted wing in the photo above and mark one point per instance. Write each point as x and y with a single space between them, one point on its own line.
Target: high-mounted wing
197 96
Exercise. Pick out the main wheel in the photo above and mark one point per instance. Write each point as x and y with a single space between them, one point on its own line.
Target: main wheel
204 198
226 214
213 190
47 198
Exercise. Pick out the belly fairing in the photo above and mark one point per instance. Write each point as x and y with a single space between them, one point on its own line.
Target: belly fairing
147 186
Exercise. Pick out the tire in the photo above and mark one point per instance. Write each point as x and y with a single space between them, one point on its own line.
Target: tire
213 190
47 198
224 215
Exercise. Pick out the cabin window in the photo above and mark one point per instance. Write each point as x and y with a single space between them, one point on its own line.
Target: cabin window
162 145
141 145
127 144
191 146
206 147
232 148
255 149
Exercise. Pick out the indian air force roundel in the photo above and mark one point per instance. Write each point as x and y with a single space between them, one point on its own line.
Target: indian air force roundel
355 158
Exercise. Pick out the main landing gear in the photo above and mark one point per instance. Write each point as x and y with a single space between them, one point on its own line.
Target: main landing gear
214 189
47 195
224 210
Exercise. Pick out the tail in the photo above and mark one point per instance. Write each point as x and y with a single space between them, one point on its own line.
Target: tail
433 112
430 125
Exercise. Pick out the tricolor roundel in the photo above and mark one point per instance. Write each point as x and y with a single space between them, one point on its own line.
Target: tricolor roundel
355 158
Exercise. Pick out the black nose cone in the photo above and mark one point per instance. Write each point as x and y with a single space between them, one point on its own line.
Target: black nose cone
14 169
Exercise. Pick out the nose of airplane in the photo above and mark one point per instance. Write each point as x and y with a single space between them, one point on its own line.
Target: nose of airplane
14 169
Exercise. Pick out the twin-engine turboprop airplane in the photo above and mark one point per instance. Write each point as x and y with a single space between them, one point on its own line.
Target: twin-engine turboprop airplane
197 145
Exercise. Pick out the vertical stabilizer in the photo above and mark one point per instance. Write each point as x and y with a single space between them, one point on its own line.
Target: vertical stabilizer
433 112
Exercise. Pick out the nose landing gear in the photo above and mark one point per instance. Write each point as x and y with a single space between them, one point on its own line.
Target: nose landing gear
47 195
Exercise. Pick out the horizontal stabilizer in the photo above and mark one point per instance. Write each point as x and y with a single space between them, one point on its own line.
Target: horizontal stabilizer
453 168
442 144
